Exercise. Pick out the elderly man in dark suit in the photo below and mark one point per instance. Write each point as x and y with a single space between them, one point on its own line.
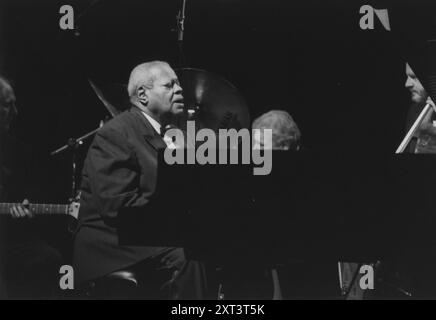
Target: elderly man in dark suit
118 190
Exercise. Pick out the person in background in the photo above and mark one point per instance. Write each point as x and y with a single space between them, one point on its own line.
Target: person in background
29 267
285 133
285 136
419 98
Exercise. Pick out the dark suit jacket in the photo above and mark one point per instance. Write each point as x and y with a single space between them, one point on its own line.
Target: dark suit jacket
119 182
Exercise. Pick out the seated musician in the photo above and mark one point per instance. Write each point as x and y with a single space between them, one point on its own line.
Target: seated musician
262 280
395 278
29 268
390 281
312 280
415 267
119 184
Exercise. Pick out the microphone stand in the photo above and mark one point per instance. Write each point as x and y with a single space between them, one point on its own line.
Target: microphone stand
73 144
180 33
190 112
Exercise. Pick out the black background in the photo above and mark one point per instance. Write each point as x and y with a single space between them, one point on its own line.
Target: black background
344 86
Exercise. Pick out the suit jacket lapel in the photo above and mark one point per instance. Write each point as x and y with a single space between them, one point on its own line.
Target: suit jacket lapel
148 132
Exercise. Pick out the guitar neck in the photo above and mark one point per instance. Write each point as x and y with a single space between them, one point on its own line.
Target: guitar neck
38 209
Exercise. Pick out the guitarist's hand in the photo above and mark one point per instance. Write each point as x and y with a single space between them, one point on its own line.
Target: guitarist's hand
21 211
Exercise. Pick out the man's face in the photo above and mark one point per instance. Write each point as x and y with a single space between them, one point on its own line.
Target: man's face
417 91
166 95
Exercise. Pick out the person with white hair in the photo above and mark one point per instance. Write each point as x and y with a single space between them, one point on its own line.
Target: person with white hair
118 184
285 133
285 136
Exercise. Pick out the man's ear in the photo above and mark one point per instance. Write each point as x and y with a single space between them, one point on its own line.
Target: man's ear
142 95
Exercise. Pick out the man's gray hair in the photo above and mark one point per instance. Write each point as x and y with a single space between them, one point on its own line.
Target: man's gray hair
143 75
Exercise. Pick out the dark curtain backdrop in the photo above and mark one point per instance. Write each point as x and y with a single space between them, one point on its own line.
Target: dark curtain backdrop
344 86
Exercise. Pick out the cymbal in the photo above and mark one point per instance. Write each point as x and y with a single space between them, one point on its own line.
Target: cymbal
114 96
210 100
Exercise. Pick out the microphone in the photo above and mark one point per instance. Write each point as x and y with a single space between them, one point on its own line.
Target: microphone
164 129
181 22
192 111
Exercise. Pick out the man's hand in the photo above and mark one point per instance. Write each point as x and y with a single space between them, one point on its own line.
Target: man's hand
22 211
432 104
427 122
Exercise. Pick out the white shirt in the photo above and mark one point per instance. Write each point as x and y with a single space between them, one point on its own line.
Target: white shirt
157 126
